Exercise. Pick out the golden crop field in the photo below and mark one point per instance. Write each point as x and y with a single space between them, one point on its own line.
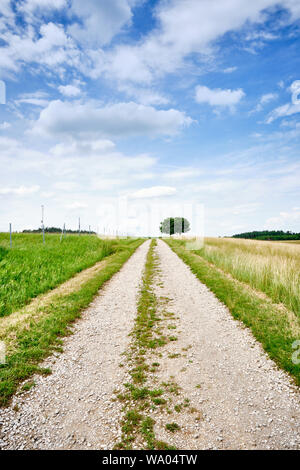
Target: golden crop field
271 267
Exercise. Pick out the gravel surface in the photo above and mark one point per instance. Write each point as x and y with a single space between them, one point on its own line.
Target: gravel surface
238 398
244 400
72 407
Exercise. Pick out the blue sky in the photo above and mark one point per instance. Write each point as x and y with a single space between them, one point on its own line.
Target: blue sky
122 112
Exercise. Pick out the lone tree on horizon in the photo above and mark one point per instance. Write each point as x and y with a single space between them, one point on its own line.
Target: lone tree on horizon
173 225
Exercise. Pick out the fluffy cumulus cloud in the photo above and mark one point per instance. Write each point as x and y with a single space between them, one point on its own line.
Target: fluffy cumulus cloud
48 46
69 90
165 49
94 24
98 22
218 97
117 120
288 109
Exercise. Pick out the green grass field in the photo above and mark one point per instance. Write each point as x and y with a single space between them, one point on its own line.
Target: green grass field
31 268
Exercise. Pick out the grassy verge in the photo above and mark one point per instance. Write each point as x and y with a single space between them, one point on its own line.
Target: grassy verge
44 336
271 325
30 268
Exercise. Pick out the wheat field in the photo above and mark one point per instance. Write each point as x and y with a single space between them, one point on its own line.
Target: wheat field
270 267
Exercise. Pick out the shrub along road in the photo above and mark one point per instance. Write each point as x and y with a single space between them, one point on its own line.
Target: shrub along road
191 377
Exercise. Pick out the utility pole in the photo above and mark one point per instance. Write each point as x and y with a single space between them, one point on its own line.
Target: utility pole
43 227
89 229
79 227
64 230
10 238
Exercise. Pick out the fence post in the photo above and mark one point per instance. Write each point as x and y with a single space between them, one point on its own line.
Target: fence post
43 227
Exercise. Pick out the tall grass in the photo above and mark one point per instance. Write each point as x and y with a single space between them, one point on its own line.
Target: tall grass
31 268
270 267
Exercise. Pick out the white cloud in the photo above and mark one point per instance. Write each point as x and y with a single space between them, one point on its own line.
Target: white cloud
33 102
38 98
265 35
146 96
100 158
99 21
48 46
184 28
118 120
154 191
20 190
218 97
31 5
268 97
284 219
230 69
265 99
69 90
290 108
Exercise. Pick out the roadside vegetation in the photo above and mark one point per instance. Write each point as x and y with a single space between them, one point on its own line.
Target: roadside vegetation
28 343
30 268
259 283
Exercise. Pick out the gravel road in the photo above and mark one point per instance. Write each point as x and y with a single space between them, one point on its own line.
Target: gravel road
242 400
72 408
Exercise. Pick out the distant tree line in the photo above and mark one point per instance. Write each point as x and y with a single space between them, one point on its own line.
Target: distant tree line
269 235
57 230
